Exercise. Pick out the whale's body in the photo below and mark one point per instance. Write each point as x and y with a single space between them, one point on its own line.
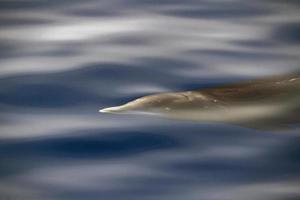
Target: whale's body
272 103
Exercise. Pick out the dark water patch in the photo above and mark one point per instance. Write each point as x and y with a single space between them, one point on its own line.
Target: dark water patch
284 3
287 33
114 194
159 2
129 192
291 197
109 72
8 49
69 88
110 75
212 171
254 43
15 165
14 5
155 181
269 166
231 54
205 83
93 12
115 73
221 12
60 52
34 4
43 95
11 52
17 22
289 154
172 64
101 146
229 170
131 40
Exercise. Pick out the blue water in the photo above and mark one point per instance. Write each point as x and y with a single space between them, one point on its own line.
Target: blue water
61 61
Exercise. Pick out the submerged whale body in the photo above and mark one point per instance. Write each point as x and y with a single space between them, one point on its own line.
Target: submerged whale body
267 104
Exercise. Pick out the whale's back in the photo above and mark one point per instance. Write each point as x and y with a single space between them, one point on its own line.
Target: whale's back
273 89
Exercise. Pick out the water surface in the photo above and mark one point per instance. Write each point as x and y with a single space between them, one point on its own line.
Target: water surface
61 61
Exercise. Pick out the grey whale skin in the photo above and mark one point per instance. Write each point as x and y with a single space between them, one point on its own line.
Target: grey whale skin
265 104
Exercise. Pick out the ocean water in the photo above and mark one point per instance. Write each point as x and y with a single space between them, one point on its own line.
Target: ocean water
61 61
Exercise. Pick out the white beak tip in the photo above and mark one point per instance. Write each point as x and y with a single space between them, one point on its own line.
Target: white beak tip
105 110
110 110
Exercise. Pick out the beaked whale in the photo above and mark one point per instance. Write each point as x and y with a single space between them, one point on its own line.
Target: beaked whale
265 104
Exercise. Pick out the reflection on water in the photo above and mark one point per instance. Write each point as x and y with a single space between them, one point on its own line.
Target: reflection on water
60 61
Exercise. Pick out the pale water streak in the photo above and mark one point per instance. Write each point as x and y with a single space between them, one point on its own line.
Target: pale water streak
61 61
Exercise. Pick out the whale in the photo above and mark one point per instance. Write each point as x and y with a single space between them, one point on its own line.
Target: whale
271 103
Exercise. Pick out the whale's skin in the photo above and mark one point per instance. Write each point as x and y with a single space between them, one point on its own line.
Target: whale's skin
271 103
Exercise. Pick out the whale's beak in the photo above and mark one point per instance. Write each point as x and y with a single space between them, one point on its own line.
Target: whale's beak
132 107
117 109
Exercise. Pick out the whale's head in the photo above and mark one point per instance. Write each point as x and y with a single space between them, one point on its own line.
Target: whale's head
153 104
